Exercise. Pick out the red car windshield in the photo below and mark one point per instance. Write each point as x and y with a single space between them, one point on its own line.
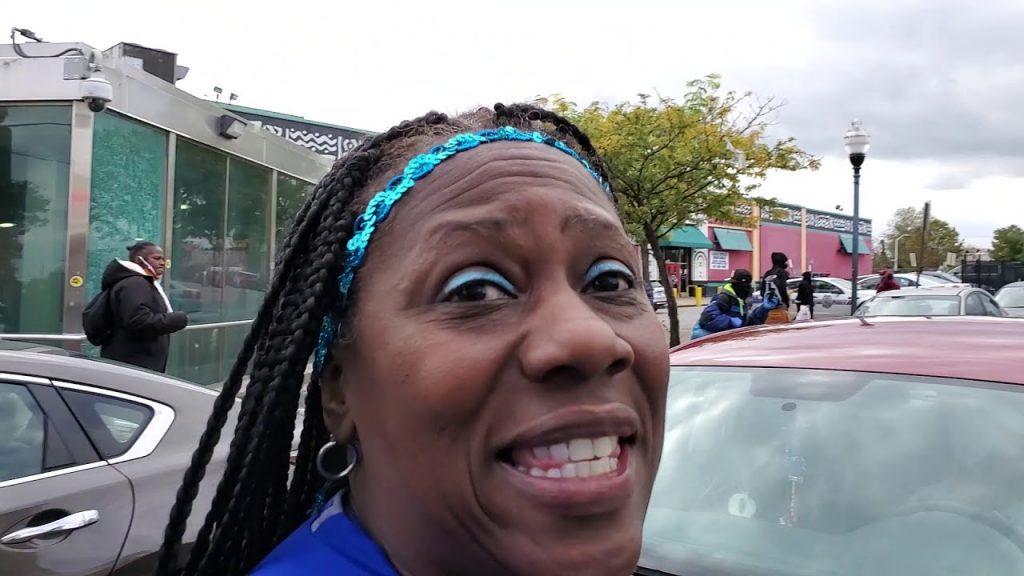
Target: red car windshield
784 471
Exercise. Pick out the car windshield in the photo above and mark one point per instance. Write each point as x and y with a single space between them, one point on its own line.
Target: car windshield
842 283
800 472
1011 297
923 305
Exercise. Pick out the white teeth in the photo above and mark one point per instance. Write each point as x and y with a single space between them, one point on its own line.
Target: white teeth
614 462
522 469
537 472
604 445
541 453
560 452
600 466
568 470
554 473
583 469
581 449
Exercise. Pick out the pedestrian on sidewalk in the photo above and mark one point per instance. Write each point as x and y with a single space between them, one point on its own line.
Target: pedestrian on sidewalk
728 309
805 294
140 316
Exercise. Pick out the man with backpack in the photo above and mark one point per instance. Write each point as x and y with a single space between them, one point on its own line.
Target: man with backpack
131 319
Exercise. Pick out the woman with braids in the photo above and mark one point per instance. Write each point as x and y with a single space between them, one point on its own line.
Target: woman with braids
498 411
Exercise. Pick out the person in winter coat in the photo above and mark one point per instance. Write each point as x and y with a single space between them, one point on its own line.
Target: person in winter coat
728 309
888 282
778 275
141 314
805 294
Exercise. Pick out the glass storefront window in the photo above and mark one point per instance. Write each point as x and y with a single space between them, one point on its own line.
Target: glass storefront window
292 193
35 152
195 284
127 195
247 247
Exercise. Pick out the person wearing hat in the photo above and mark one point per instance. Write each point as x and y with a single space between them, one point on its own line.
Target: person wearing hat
728 309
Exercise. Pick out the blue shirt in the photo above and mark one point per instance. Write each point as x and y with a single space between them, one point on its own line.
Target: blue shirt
331 543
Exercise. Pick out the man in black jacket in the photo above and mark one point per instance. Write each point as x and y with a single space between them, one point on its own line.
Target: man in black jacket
779 276
141 315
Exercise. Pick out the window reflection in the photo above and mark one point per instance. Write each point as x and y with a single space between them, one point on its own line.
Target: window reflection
35 149
246 256
197 253
291 195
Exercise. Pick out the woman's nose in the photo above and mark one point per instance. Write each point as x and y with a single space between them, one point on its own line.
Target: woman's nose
569 342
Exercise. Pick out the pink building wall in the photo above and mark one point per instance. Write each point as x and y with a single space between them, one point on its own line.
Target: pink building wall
824 253
736 260
781 238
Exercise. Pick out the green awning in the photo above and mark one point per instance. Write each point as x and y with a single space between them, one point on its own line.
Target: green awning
686 237
729 239
847 243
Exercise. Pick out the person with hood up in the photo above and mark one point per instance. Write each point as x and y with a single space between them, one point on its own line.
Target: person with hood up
140 313
887 283
805 294
728 309
779 276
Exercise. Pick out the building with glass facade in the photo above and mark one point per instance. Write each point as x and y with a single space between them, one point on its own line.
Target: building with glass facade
77 187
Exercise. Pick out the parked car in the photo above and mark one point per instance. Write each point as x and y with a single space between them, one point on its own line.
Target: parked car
660 301
886 446
832 296
939 301
91 456
1011 298
910 280
946 277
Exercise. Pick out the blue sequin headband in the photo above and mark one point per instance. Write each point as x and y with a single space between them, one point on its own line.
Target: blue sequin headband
380 206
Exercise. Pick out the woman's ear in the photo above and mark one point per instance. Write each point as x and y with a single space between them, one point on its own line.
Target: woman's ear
334 398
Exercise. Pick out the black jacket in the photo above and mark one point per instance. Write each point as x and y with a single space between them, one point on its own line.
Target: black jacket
805 293
142 324
778 270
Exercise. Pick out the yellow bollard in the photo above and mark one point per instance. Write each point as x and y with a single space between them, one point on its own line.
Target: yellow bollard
699 293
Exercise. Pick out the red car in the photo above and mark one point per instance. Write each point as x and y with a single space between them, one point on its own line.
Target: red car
879 447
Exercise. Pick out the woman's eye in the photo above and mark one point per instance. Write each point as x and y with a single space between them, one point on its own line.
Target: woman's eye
477 285
609 276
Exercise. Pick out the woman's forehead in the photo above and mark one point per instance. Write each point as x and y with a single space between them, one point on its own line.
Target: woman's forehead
493 173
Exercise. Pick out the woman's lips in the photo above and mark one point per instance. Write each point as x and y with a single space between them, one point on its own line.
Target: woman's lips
575 461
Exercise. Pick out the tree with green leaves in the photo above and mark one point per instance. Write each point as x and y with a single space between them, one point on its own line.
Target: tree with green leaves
906 224
674 163
1008 244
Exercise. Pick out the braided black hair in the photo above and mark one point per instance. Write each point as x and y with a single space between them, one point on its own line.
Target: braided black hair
138 249
255 506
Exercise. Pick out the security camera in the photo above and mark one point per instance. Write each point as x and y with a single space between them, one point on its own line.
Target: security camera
96 92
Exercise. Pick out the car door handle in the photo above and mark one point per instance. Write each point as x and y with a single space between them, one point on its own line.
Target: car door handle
65 524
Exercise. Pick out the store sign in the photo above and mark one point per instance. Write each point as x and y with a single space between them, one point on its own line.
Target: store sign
719 260
324 140
815 220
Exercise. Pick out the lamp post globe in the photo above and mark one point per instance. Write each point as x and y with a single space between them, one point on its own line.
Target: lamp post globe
857 141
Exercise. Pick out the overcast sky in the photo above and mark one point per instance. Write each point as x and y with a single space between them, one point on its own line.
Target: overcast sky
938 83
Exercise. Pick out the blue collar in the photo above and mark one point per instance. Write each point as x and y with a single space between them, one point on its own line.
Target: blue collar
332 543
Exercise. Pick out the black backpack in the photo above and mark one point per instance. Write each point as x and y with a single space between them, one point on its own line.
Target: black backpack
97 319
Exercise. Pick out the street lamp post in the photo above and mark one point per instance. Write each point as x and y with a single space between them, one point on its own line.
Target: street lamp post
896 253
857 143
